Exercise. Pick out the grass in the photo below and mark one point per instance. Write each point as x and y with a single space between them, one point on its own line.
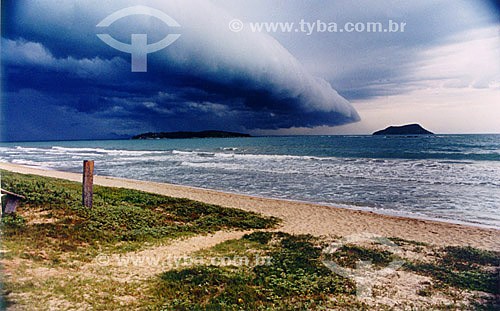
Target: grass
462 267
463 257
120 218
295 279
348 255
52 242
240 247
53 232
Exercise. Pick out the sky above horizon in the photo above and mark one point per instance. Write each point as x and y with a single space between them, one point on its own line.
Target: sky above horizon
60 81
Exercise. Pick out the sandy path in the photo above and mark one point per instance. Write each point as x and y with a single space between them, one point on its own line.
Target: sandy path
143 264
306 218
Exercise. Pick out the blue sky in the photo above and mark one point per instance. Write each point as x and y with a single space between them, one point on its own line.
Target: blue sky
60 81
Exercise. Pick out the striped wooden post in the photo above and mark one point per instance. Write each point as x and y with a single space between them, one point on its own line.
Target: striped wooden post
88 183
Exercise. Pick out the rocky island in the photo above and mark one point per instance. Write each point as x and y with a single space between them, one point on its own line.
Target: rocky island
410 129
184 135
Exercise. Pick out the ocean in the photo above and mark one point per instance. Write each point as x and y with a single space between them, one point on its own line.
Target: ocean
454 178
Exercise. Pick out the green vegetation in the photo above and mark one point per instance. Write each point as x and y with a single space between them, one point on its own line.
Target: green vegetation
467 256
348 255
295 279
52 247
401 242
120 218
462 267
238 248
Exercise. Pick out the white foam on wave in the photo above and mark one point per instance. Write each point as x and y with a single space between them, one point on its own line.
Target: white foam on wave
401 185
239 167
251 155
225 166
182 152
58 150
106 151
27 149
131 159
397 171
38 164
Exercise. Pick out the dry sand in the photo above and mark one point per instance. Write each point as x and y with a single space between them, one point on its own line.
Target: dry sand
303 218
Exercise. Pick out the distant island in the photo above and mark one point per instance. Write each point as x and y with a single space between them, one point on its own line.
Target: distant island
410 129
184 135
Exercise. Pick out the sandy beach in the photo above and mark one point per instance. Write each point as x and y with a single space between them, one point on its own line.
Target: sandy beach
303 218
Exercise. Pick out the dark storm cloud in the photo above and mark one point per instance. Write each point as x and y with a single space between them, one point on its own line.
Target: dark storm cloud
212 78
58 71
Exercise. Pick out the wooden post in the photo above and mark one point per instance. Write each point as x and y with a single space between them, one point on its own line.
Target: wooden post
88 183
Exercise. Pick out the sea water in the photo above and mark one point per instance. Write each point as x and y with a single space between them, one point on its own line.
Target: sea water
452 178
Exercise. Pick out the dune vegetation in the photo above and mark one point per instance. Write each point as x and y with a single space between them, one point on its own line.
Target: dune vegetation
53 250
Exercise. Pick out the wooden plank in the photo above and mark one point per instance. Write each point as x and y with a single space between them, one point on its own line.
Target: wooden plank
12 194
88 183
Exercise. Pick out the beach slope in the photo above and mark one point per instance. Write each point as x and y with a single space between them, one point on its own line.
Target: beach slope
303 218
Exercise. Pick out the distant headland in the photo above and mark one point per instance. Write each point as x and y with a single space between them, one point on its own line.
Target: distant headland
410 129
184 135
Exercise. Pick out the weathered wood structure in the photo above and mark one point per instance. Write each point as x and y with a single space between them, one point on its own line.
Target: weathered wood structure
11 201
88 183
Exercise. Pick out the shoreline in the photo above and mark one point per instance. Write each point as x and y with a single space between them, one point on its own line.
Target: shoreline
353 207
304 217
